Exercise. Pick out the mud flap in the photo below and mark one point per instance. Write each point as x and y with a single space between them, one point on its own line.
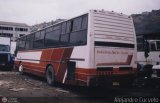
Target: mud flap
71 68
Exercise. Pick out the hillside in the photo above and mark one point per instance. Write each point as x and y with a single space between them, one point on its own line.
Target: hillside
147 22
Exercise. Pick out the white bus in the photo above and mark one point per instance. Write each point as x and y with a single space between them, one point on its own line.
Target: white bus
153 47
96 48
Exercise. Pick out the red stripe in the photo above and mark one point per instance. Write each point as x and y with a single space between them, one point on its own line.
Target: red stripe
63 66
84 73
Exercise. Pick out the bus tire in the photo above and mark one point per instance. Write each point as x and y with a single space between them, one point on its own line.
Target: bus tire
50 76
21 71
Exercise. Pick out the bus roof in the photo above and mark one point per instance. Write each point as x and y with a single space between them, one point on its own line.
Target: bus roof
93 10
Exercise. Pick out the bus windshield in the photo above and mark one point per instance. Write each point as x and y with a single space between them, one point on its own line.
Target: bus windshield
4 48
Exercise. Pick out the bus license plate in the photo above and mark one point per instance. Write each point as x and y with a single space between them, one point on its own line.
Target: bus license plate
115 83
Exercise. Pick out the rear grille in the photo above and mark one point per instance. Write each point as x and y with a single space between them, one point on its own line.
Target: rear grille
125 68
104 68
3 58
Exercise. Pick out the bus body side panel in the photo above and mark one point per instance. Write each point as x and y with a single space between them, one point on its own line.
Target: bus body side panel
36 61
31 61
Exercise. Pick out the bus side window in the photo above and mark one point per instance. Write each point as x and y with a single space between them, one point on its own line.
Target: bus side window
18 43
63 29
140 43
68 28
39 39
139 46
84 22
152 46
79 35
77 22
49 29
64 36
29 41
71 28
52 38
22 43
17 47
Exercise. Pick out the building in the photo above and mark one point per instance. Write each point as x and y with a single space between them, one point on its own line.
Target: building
13 30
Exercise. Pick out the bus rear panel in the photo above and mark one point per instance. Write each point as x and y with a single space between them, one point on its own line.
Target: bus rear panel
114 48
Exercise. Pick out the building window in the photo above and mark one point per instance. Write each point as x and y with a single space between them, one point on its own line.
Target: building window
20 35
6 35
6 28
21 29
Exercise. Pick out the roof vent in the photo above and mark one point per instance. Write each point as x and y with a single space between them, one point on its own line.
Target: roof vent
95 10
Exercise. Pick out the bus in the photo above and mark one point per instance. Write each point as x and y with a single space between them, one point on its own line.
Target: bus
97 48
6 58
153 46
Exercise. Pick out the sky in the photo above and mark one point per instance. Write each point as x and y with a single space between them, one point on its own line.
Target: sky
37 11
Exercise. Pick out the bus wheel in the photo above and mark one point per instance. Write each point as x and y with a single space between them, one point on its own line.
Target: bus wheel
50 76
21 69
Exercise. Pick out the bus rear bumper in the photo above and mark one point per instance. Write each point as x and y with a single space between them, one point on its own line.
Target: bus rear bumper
115 80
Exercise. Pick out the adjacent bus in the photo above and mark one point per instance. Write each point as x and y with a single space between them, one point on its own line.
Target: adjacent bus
152 42
6 58
93 49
